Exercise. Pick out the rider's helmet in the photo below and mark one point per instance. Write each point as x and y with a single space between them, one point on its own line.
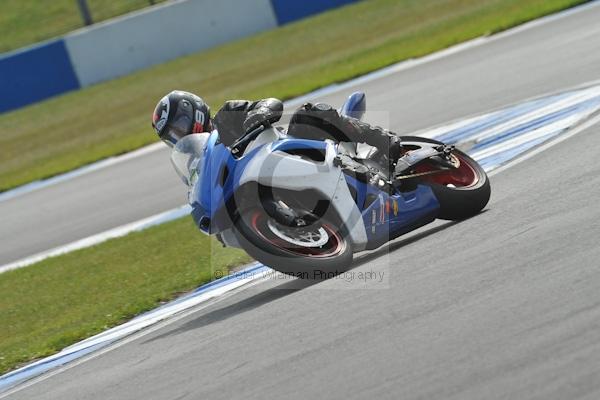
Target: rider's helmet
178 114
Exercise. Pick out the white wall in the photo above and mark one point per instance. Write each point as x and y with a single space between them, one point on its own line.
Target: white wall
153 36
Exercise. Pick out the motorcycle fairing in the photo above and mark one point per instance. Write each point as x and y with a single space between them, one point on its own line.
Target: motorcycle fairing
388 216
284 164
277 164
287 164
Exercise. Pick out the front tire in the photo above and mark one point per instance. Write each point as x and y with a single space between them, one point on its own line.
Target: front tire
319 251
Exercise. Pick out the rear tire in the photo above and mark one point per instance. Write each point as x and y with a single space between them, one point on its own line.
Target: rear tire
459 202
255 235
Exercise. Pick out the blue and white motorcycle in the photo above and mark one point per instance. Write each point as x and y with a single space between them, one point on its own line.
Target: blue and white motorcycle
304 207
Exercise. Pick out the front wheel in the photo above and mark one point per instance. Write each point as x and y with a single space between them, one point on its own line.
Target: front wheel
462 191
317 251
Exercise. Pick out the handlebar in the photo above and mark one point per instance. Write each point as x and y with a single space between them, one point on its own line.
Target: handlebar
238 147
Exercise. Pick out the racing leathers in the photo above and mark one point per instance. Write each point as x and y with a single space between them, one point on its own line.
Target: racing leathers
311 121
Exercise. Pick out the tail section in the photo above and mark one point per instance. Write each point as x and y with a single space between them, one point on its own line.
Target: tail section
355 106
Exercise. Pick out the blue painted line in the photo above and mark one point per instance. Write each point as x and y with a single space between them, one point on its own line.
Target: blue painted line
537 123
490 162
497 118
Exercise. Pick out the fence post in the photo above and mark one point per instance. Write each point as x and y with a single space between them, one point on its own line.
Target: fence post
85 12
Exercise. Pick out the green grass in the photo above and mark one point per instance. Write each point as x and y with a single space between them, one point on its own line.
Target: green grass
114 117
23 22
52 304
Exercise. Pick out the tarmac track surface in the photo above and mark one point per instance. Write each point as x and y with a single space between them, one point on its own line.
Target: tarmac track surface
510 68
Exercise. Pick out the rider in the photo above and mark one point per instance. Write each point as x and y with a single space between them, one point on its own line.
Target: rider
181 113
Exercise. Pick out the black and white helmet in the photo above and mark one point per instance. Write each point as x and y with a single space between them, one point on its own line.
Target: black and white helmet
179 114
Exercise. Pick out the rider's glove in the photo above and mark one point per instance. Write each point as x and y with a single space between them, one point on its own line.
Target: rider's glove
267 111
260 116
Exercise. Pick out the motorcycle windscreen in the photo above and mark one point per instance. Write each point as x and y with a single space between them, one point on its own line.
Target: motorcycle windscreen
187 156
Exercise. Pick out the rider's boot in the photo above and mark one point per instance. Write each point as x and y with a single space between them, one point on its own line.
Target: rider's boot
321 121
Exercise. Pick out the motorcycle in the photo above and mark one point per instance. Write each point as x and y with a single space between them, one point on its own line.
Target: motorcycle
305 207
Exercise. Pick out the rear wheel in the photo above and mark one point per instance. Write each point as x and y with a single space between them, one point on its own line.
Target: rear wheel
462 191
316 251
